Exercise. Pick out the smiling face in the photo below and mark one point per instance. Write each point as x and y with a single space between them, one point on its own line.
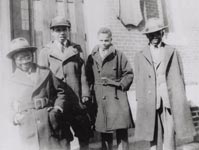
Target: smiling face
104 40
155 37
23 60
61 33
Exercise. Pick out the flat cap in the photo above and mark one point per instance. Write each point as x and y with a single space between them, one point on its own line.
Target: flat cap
59 21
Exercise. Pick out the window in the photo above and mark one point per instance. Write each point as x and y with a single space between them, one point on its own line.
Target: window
24 15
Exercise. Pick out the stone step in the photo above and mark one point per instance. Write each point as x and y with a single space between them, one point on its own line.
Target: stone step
190 146
145 146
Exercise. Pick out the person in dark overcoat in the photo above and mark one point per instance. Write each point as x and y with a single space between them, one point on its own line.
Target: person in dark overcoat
66 61
38 100
163 113
110 75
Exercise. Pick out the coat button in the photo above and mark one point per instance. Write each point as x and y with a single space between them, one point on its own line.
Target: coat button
38 121
104 97
149 76
149 92
114 68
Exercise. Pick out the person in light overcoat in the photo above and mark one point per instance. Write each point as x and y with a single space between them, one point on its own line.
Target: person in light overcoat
110 75
66 61
163 113
38 99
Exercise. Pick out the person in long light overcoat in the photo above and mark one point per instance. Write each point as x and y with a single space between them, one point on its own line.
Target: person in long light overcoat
38 99
163 113
66 61
110 75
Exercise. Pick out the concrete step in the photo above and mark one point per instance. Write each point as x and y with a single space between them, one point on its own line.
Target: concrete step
190 146
145 146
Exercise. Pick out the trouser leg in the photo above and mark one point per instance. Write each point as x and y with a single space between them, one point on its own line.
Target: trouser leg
81 127
157 143
169 136
83 144
122 139
68 147
164 137
107 141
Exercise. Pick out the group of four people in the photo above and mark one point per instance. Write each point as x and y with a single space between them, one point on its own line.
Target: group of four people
63 91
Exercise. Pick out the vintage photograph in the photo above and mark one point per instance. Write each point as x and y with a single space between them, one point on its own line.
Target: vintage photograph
99 75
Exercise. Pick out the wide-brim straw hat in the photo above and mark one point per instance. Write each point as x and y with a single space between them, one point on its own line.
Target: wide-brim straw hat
19 44
153 25
60 21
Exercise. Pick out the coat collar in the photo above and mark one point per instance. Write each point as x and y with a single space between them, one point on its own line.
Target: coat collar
167 52
20 78
96 56
41 76
147 55
69 51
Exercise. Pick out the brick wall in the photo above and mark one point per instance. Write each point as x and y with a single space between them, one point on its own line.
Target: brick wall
130 40
151 8
195 117
195 114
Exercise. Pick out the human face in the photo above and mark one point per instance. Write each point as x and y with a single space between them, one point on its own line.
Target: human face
23 60
104 40
155 38
61 33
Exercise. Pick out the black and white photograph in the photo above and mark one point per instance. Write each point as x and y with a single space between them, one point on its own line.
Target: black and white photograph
99 75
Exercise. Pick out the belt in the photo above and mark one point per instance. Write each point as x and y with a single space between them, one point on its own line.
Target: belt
104 82
37 103
101 82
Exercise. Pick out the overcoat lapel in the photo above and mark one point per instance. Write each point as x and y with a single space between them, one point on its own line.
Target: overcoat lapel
57 54
110 55
96 56
98 59
69 52
147 55
42 76
165 56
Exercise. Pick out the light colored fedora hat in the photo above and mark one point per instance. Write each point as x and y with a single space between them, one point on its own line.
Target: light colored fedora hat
19 44
60 21
153 25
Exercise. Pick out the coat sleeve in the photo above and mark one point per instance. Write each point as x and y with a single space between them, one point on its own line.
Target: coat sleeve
9 101
137 72
84 83
126 73
89 71
181 70
60 97
180 107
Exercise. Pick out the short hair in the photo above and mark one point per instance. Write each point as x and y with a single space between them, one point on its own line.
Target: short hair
105 30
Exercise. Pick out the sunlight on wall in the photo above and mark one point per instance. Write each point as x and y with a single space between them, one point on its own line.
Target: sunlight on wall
184 34
96 15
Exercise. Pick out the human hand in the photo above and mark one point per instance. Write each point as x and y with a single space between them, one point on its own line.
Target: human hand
85 99
106 81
